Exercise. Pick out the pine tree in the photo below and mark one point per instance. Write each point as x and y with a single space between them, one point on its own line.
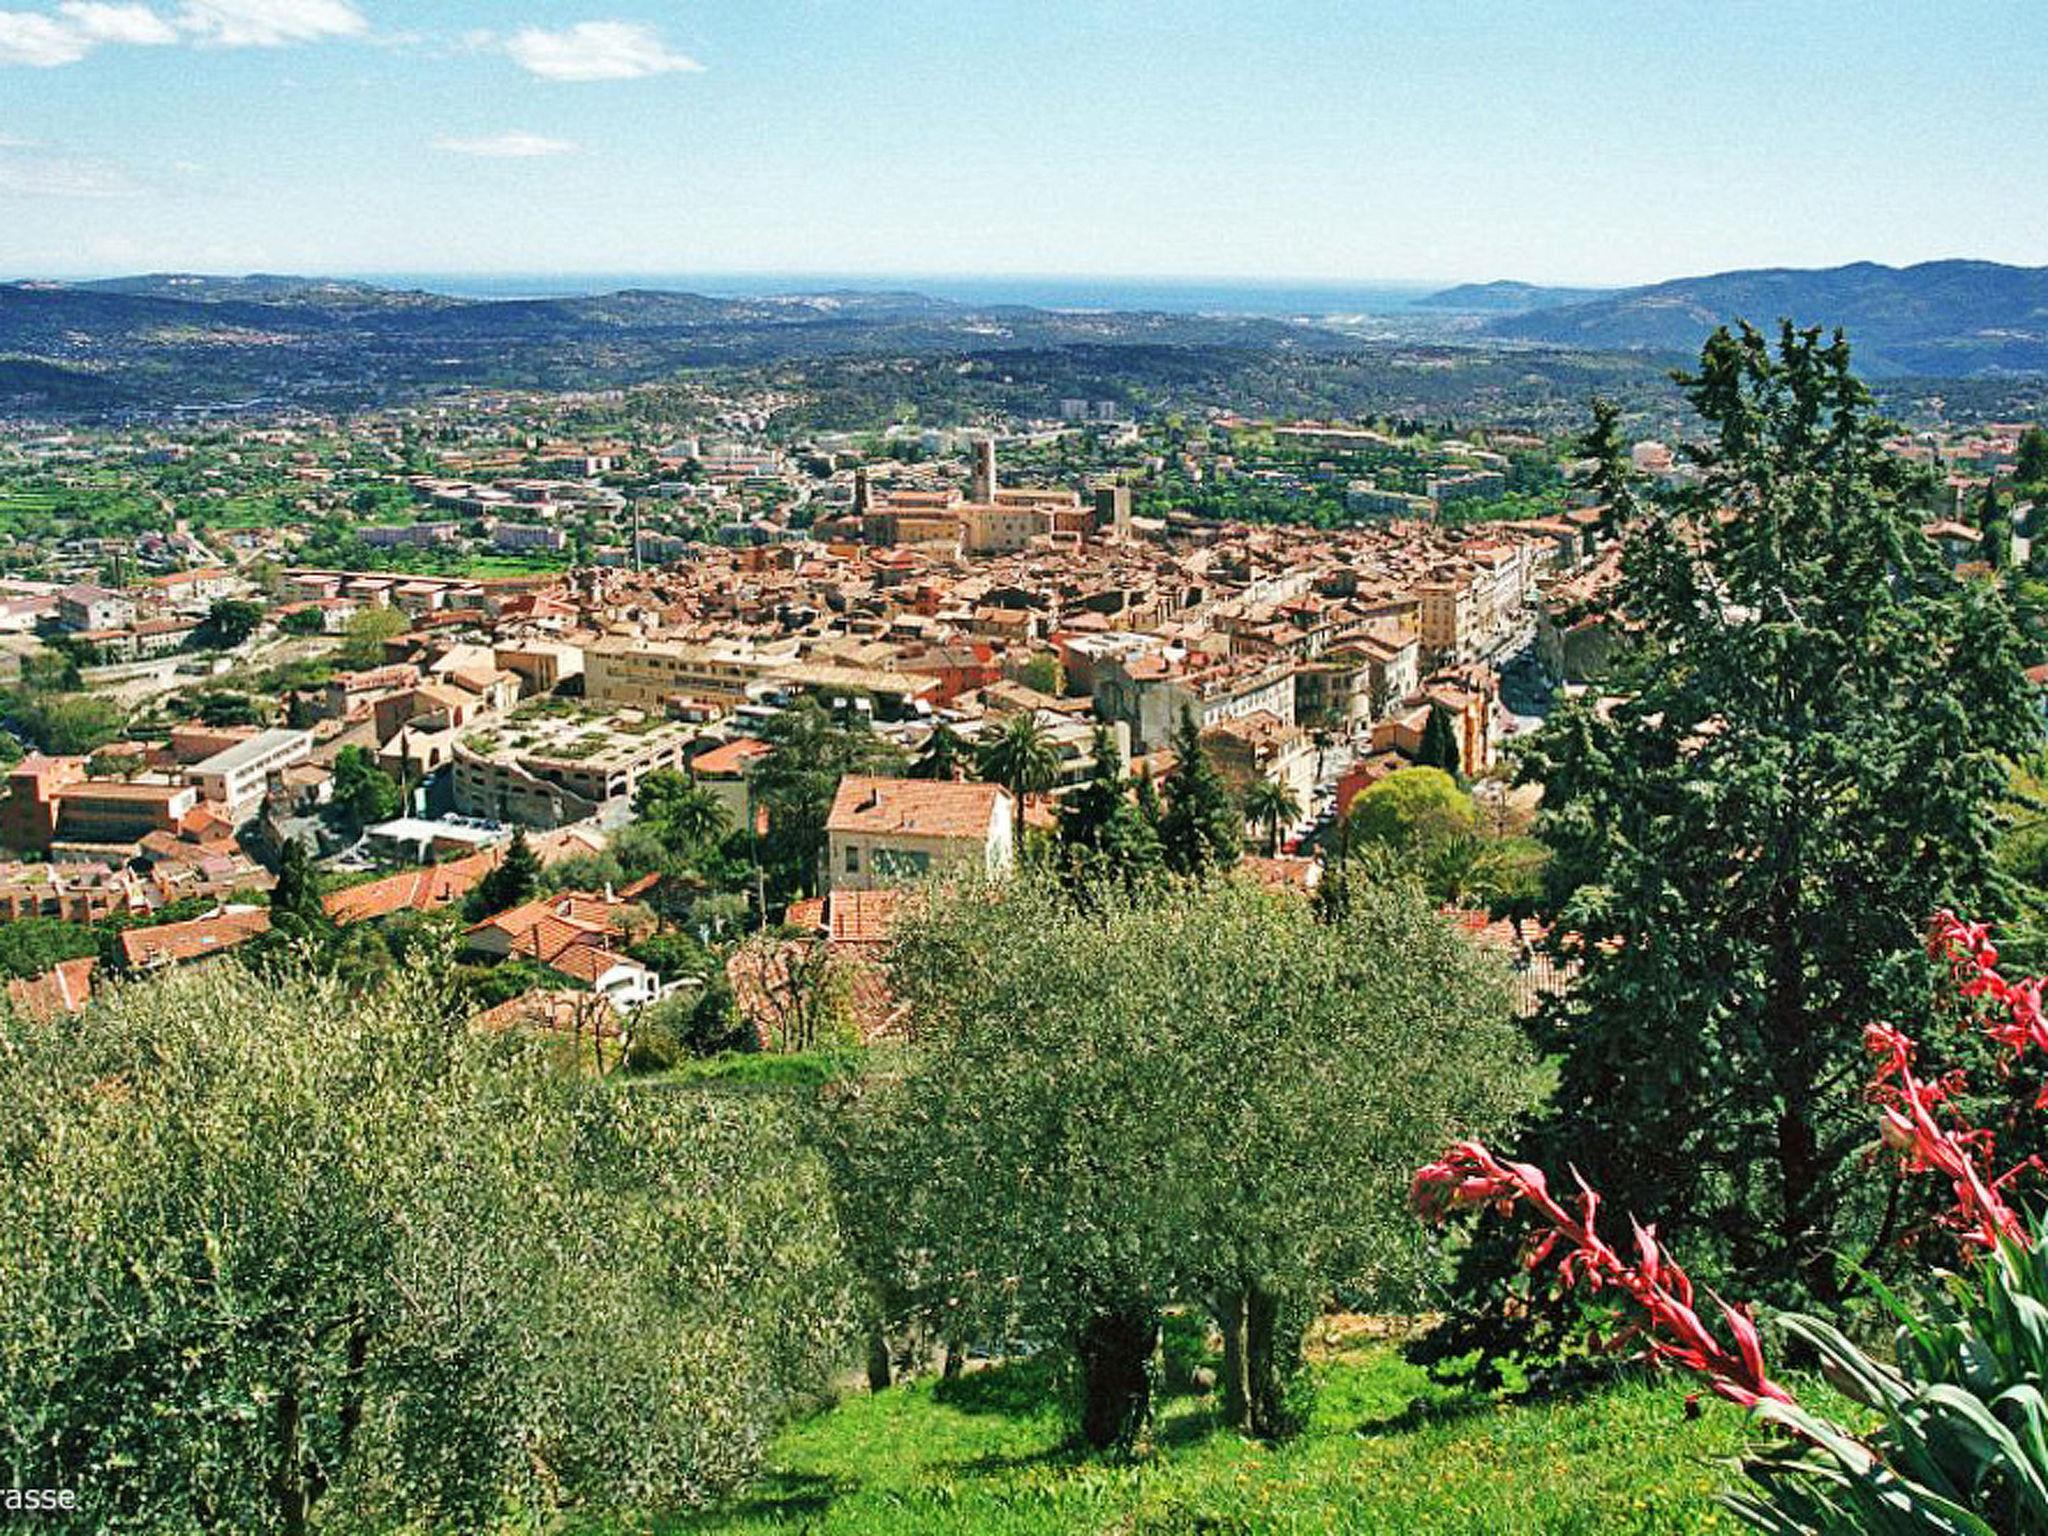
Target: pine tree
1202 831
515 879
1803 763
944 756
1105 831
2032 466
1610 474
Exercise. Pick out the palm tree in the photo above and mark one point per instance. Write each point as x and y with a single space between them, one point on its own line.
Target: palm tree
1021 758
1273 805
698 815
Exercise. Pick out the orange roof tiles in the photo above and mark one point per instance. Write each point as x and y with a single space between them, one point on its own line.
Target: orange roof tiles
914 807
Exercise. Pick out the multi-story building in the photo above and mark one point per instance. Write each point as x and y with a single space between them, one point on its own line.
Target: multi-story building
86 607
885 832
234 780
547 771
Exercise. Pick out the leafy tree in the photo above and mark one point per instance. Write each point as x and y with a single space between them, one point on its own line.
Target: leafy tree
1044 674
796 782
363 792
515 879
1801 766
1202 830
1021 757
229 622
352 1264
2031 469
1257 1084
219 708
1413 811
367 632
303 621
1994 524
685 815
32 946
1274 806
1439 747
944 757
68 724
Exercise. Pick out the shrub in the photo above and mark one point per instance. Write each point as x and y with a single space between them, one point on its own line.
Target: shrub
1961 1444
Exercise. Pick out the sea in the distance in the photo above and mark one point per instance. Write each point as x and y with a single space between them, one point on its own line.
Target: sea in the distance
1208 296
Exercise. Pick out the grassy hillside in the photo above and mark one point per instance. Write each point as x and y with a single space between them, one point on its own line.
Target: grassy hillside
1388 1452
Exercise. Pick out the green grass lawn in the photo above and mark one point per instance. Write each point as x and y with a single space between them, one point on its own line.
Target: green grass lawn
1387 1452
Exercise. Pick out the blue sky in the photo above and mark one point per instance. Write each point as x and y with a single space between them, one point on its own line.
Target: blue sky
1556 140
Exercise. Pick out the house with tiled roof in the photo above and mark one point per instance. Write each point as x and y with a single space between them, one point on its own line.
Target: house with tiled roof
149 949
580 934
883 832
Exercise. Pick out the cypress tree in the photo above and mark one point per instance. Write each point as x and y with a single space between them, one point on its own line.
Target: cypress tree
1995 524
1202 830
1439 747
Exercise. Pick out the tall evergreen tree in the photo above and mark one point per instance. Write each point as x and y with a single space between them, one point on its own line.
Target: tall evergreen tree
1202 830
1802 765
2031 469
1439 747
295 908
1995 527
515 879
1609 473
1106 831
944 757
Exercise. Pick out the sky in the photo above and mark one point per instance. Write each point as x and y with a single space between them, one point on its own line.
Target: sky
1571 141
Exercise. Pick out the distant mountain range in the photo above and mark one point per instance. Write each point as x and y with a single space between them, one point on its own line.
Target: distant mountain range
1940 318
172 339
190 339
1507 298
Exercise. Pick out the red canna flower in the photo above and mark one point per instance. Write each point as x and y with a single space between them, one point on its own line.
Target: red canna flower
1468 1175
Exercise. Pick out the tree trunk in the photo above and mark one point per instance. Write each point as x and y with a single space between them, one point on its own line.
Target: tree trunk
287 1486
1116 1350
1274 1325
1229 1308
880 1374
956 1359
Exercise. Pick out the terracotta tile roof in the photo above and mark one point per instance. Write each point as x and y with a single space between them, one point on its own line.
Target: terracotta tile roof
733 757
557 1012
915 807
860 917
586 962
177 943
415 890
65 989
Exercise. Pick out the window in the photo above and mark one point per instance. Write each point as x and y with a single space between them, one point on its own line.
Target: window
852 859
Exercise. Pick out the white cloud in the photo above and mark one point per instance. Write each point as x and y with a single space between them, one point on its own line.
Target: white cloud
64 176
597 50
269 23
46 39
136 25
514 145
42 42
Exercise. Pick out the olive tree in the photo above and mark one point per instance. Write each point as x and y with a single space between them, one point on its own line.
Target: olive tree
1203 1097
280 1257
